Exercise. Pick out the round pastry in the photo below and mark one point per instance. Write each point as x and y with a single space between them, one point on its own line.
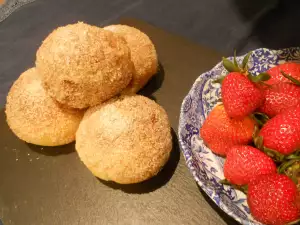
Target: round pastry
143 55
125 140
35 117
83 65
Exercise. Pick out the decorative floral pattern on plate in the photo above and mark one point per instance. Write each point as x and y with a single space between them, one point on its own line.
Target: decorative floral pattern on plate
206 167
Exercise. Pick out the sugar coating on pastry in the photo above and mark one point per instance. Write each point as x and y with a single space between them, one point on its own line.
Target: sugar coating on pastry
83 65
125 140
143 55
35 117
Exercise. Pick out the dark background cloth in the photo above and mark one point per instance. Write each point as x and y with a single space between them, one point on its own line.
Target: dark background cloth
222 25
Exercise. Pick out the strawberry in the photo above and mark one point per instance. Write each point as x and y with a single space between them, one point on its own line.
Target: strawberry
244 163
220 132
281 134
240 91
273 199
292 69
240 95
279 97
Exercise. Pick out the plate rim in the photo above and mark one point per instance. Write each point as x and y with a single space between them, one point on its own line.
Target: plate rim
185 148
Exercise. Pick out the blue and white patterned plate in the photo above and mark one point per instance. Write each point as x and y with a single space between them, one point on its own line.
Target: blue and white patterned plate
206 167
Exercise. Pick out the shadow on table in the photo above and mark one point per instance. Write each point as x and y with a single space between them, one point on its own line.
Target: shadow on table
229 220
48 151
156 182
154 83
53 151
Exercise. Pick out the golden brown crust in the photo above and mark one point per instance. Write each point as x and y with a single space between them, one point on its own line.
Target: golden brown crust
35 117
83 65
126 140
143 55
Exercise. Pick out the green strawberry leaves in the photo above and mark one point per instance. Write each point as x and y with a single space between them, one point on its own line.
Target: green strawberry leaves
295 81
234 59
218 80
234 66
294 222
243 188
246 60
258 140
291 168
285 161
294 155
284 166
276 156
260 118
259 143
230 66
243 68
259 78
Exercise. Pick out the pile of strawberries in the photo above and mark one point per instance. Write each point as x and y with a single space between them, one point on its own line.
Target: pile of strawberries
257 129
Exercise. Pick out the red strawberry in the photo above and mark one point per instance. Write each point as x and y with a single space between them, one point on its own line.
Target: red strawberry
272 199
241 91
240 95
220 132
282 132
244 163
280 97
291 69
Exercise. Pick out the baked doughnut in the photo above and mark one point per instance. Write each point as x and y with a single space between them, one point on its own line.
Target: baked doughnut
83 65
143 55
35 117
125 140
